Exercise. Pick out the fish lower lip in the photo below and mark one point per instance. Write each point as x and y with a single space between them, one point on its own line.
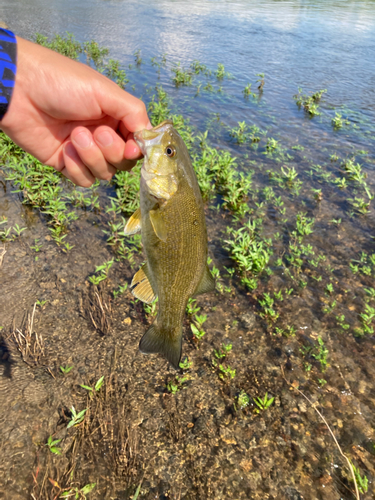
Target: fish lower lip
140 141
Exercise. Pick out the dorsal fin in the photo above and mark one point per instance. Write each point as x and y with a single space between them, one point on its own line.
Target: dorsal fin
134 223
206 284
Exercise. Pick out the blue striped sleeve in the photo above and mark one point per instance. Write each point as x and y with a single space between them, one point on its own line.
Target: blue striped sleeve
8 67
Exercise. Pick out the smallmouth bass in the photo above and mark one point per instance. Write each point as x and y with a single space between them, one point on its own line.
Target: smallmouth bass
174 237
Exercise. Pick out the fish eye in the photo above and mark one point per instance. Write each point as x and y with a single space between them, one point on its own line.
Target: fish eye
170 151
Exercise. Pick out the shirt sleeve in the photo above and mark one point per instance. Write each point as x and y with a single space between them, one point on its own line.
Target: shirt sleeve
8 67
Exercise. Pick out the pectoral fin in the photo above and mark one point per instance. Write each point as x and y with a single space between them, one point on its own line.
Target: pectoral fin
134 223
206 284
143 291
158 223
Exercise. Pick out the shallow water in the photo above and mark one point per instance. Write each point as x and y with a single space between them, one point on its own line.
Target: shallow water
195 444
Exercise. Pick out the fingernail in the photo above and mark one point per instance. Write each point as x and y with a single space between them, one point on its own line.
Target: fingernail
149 126
83 140
104 138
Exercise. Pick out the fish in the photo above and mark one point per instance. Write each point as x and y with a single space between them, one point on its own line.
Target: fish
172 222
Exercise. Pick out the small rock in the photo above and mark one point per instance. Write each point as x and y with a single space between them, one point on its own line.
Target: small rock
49 285
302 407
127 321
248 319
227 436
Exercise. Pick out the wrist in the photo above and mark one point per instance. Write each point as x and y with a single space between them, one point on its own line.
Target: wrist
8 69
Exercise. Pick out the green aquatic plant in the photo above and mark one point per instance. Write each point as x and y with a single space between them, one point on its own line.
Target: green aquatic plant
113 71
176 384
191 307
122 289
137 57
260 81
66 45
158 107
77 418
242 399
249 252
198 67
103 272
338 122
244 133
185 364
78 493
198 332
272 145
226 373
96 387
360 205
269 312
263 404
247 91
181 76
52 445
309 102
341 322
95 53
223 351
221 73
320 353
66 369
362 481
151 309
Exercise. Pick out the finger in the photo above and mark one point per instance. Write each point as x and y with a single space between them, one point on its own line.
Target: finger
121 105
90 154
112 147
74 168
132 150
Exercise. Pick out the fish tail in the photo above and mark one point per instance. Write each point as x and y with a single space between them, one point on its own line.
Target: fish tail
165 341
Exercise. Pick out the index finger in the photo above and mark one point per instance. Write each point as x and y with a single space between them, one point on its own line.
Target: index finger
122 106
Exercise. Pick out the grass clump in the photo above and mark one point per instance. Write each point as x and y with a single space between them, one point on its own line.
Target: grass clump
66 45
338 121
250 254
309 102
181 76
243 133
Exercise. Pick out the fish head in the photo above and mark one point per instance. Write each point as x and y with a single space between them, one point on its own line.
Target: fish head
162 148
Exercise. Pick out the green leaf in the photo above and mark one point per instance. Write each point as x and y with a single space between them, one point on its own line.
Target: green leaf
86 387
54 442
89 487
80 415
56 451
99 383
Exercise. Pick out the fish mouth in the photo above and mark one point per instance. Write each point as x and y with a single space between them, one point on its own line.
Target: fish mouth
146 138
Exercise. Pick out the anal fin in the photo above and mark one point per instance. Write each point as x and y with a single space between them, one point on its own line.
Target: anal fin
143 291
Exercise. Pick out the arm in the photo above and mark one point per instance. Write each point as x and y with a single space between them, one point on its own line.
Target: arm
71 117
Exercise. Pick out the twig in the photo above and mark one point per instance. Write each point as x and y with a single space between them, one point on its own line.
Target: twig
333 436
2 253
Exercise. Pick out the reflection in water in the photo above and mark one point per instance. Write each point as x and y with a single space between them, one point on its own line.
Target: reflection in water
313 44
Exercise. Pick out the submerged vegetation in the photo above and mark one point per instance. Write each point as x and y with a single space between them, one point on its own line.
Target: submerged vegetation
291 249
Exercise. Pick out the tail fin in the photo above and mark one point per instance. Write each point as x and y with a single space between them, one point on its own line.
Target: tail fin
166 341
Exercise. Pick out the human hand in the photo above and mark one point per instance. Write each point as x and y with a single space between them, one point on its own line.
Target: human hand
71 117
